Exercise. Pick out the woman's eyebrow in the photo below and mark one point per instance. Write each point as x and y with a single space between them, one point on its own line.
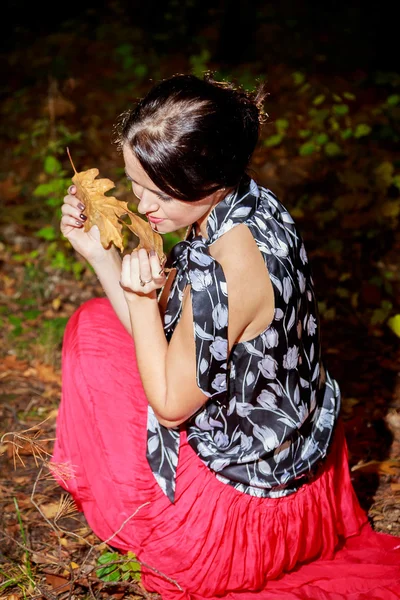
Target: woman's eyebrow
153 191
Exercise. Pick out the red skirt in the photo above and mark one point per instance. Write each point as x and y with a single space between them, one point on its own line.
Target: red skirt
214 541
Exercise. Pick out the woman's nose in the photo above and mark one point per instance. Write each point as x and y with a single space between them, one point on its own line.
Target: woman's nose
147 203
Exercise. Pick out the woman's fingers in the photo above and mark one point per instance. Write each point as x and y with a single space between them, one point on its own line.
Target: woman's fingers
157 270
73 209
142 267
141 273
71 222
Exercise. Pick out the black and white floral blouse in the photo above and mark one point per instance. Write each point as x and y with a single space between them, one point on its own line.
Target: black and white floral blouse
272 407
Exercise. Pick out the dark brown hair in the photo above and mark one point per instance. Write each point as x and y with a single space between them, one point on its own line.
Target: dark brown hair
193 136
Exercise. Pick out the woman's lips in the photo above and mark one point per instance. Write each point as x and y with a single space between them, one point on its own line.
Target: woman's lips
154 219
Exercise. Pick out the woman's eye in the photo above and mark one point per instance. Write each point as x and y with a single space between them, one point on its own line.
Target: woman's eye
164 198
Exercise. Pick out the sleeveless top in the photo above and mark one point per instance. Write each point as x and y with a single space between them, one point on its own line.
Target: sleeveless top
271 406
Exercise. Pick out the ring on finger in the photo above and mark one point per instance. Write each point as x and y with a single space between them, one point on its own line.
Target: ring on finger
143 283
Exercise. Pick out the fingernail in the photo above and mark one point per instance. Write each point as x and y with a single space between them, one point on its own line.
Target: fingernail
152 252
83 217
79 223
81 206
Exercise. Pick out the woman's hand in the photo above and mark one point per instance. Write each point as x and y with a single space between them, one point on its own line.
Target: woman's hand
142 274
88 244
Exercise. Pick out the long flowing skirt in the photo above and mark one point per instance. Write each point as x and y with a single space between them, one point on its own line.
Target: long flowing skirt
214 541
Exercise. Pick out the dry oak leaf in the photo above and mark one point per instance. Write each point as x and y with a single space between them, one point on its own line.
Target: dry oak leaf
106 212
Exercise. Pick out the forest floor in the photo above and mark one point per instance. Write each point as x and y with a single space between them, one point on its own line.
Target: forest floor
329 151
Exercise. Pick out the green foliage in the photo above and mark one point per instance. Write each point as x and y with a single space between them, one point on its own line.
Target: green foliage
47 233
117 568
298 78
361 130
198 62
307 149
125 55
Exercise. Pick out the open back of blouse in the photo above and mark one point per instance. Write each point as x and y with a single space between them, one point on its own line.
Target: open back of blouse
272 406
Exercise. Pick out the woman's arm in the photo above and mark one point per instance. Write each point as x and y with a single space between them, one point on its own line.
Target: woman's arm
168 371
108 270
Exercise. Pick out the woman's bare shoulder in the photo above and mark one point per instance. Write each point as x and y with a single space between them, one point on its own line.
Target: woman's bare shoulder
250 292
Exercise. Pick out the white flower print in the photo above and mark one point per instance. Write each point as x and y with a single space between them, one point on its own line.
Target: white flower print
203 365
205 450
267 437
152 422
278 314
201 258
219 348
250 378
246 442
268 367
232 371
220 316
309 449
200 280
303 255
325 419
311 325
221 440
219 382
249 458
291 359
270 337
153 443
302 281
264 467
202 421
243 409
282 451
287 289
232 405
219 463
303 413
223 288
267 400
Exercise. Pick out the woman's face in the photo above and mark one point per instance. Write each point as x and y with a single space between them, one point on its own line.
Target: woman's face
165 214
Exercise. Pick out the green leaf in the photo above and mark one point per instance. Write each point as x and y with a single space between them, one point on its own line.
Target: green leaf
304 133
332 149
113 576
44 189
273 140
396 181
337 98
298 78
52 165
349 96
281 125
31 314
107 557
340 110
321 139
346 133
394 324
307 149
393 100
319 99
361 130
47 233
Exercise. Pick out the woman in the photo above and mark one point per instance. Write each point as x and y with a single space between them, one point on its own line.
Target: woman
211 445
